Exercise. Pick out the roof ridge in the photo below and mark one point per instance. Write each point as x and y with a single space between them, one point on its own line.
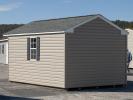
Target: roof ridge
46 25
64 18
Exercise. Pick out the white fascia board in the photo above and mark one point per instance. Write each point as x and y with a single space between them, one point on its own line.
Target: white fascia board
129 30
40 33
3 40
123 32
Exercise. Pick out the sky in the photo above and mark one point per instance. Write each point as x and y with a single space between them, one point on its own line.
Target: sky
25 11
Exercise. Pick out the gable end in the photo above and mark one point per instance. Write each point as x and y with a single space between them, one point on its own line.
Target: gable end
123 32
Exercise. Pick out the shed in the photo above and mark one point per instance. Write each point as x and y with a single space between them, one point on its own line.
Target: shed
3 51
71 52
130 44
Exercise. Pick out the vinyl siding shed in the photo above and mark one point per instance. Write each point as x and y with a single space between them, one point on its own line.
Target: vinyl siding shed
81 51
130 44
3 51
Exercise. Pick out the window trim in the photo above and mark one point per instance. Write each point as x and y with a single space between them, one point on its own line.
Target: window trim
37 58
31 59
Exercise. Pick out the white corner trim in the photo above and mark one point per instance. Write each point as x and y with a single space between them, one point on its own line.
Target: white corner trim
40 33
3 40
7 53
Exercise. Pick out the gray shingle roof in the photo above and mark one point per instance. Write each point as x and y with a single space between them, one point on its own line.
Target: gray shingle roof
52 25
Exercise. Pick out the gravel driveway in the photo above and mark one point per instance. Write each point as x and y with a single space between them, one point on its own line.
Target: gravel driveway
18 91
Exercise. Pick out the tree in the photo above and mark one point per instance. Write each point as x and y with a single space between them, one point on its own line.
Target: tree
8 27
124 24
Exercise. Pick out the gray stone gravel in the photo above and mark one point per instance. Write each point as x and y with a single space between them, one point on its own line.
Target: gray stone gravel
18 91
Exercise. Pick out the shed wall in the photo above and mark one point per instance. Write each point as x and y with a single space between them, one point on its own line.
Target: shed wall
49 71
4 57
95 56
130 44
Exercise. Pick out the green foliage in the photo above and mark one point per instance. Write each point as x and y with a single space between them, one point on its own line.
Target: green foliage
8 27
124 24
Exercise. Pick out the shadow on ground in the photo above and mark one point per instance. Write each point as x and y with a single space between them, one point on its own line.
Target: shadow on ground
121 88
2 97
27 90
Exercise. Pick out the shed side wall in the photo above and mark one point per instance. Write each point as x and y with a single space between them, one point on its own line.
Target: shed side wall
4 57
130 45
49 71
95 56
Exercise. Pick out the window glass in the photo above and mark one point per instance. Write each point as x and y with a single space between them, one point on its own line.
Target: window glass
33 53
3 47
0 49
33 48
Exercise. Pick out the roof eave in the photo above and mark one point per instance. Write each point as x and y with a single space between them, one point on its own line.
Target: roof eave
40 33
71 30
3 40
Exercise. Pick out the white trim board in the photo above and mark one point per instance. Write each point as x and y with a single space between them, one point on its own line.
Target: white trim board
129 30
40 33
3 40
71 30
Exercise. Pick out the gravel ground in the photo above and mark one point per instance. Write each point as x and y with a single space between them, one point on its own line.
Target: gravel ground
101 93
18 91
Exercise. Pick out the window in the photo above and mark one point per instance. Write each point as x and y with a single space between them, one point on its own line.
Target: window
3 48
0 49
33 48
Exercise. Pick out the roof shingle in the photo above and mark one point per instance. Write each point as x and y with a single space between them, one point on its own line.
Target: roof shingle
52 25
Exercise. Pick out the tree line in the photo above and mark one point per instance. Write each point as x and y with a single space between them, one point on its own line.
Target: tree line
8 27
124 24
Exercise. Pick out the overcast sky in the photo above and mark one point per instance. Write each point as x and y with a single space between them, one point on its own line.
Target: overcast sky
24 11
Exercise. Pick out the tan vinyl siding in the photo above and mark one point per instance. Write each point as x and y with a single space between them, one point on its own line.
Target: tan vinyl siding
95 56
130 44
48 71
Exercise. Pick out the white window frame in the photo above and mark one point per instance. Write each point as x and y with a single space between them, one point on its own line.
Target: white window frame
33 48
